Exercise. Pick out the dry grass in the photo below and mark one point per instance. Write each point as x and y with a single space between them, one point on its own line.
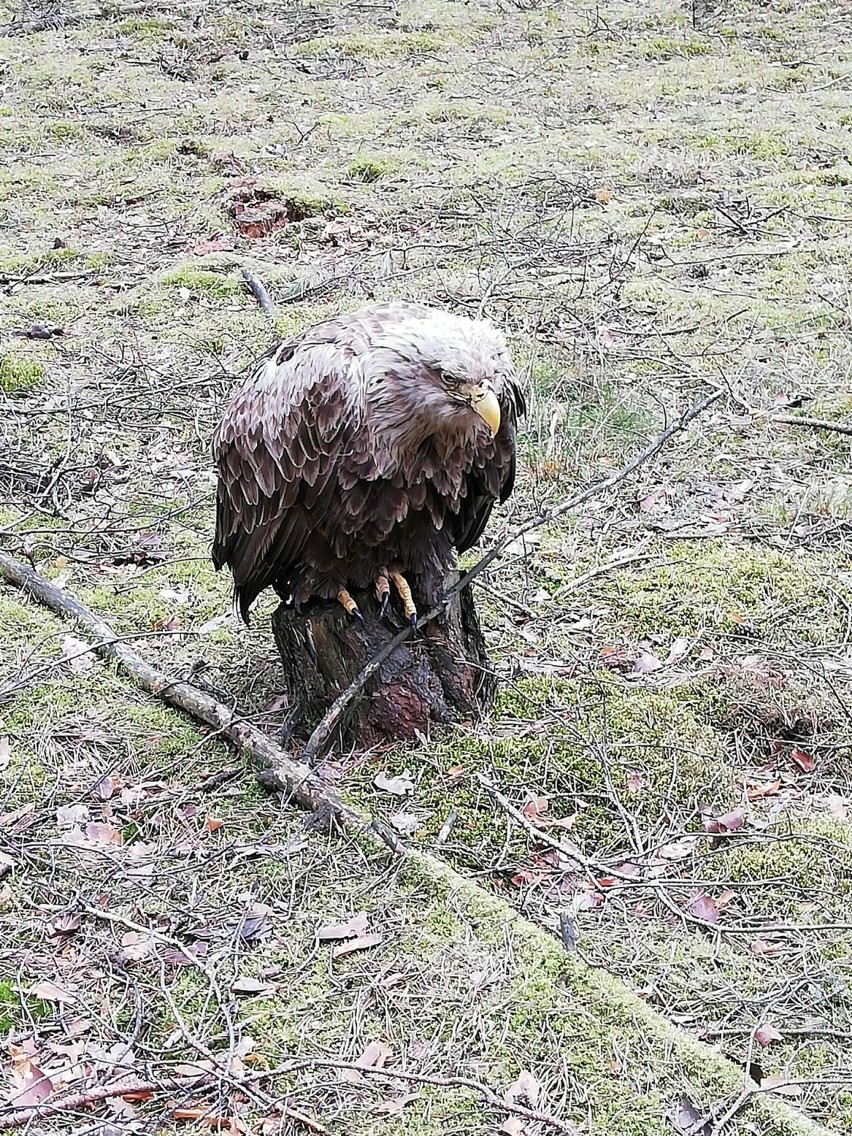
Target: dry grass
653 199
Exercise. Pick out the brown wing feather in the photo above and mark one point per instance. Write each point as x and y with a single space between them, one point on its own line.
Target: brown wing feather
276 450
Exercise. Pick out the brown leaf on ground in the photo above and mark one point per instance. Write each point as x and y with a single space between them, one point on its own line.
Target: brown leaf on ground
349 929
803 759
399 786
766 1034
100 833
362 943
51 992
65 924
248 985
534 809
524 1088
703 907
31 1086
395 1105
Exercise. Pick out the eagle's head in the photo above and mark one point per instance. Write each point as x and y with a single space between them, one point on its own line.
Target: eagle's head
456 371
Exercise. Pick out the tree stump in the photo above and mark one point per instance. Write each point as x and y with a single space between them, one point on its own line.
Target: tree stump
439 676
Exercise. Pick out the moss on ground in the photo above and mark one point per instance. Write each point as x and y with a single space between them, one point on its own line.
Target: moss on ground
512 162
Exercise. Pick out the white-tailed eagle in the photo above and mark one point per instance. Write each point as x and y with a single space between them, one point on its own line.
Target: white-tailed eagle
361 453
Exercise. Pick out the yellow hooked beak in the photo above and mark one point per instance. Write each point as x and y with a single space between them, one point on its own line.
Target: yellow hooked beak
484 402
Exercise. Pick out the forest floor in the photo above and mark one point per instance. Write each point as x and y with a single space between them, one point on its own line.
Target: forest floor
654 200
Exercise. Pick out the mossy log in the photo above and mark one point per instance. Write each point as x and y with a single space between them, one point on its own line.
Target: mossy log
439 676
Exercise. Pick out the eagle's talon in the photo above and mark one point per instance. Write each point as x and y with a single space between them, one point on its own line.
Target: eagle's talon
346 601
383 592
404 589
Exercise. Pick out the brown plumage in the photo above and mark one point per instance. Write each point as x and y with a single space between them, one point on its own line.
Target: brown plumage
362 446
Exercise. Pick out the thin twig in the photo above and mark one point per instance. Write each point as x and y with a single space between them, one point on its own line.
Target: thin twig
332 716
814 423
258 290
18 1117
494 1099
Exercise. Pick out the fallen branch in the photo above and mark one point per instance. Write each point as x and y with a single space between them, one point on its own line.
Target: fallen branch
321 733
814 423
274 768
18 1117
257 289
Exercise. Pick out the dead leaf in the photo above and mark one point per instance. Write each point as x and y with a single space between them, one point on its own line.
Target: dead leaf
5 753
66 923
103 833
647 663
766 1034
189 956
67 816
755 790
105 788
678 649
525 1088
362 943
50 992
703 907
136 946
373 1057
213 824
533 809
635 781
837 806
689 1120
512 1126
603 195
728 822
399 786
396 1105
764 947
6 864
405 823
803 759
777 1082
455 772
77 654
31 1085
247 985
350 929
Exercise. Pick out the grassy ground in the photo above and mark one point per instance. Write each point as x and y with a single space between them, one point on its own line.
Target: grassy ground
653 200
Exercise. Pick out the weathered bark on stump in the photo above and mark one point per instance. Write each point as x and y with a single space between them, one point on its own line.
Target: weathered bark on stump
439 676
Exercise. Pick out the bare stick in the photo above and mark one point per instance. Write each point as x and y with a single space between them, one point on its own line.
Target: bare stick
814 423
21 1116
275 769
259 292
332 716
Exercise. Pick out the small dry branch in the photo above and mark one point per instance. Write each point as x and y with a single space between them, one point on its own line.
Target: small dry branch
813 423
258 290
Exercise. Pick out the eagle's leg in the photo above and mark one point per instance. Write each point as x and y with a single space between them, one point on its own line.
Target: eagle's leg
346 600
300 596
402 586
383 591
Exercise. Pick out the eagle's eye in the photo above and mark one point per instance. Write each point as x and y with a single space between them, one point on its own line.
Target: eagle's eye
451 382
